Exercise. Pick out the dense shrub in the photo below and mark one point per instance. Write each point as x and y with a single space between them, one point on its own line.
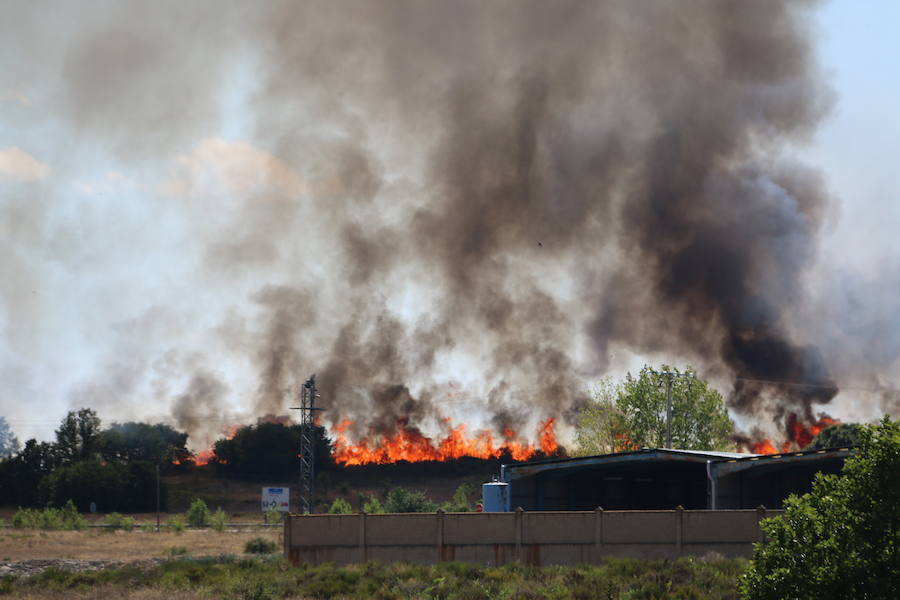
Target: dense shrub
401 500
340 507
118 521
270 577
260 545
272 515
462 499
197 514
841 540
66 517
372 505
218 520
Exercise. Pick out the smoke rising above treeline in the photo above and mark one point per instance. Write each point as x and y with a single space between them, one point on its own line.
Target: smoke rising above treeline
458 210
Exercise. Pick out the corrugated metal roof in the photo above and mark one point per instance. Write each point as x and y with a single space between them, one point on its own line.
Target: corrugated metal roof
713 454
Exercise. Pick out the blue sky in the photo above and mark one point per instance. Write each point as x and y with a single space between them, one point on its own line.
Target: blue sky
858 146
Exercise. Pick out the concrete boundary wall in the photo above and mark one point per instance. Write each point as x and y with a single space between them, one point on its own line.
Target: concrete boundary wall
535 538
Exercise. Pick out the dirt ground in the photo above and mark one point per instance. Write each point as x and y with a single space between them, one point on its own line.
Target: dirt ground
101 544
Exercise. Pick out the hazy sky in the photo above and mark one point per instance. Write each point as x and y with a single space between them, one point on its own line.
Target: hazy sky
96 223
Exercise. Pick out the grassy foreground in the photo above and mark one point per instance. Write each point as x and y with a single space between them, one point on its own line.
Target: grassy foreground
24 544
272 577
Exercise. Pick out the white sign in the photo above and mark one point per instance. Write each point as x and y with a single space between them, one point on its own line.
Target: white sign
276 497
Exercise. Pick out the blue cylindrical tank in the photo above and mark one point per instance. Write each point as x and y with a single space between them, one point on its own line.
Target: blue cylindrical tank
495 496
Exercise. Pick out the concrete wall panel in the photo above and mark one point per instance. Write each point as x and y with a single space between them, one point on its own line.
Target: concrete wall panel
401 530
719 526
639 527
558 528
480 528
339 530
532 538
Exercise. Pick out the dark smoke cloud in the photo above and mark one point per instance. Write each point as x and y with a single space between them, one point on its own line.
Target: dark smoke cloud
520 187
567 127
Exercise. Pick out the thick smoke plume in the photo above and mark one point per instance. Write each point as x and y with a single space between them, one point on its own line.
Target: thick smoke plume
458 207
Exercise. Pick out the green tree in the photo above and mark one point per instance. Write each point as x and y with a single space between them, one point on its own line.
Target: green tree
158 443
837 436
21 474
269 450
600 426
77 436
633 414
9 443
113 486
841 540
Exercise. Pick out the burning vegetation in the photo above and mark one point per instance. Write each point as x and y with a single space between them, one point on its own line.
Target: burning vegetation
798 436
410 445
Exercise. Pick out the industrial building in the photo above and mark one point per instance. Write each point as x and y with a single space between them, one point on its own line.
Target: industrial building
661 478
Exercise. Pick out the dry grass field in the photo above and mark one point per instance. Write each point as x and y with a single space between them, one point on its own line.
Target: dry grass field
102 544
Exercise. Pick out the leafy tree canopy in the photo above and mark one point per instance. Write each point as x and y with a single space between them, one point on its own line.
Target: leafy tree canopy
21 474
841 540
269 450
77 436
838 436
113 486
632 414
131 441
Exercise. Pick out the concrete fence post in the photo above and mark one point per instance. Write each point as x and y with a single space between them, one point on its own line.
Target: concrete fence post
363 549
760 515
520 524
679 527
439 515
598 533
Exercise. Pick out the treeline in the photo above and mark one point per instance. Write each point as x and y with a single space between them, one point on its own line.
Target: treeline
115 467
269 450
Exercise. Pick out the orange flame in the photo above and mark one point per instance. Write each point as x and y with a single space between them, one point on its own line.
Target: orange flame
409 444
623 443
799 435
204 457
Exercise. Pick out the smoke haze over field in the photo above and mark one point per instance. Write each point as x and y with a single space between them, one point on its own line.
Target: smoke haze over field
445 209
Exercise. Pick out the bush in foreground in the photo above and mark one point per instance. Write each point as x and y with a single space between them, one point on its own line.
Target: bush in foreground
272 577
118 521
218 520
841 540
49 518
260 545
197 514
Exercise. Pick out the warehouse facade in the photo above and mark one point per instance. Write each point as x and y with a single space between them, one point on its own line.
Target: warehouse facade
662 478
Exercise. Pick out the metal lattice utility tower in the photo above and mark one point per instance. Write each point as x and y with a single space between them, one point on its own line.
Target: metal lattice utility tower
308 395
